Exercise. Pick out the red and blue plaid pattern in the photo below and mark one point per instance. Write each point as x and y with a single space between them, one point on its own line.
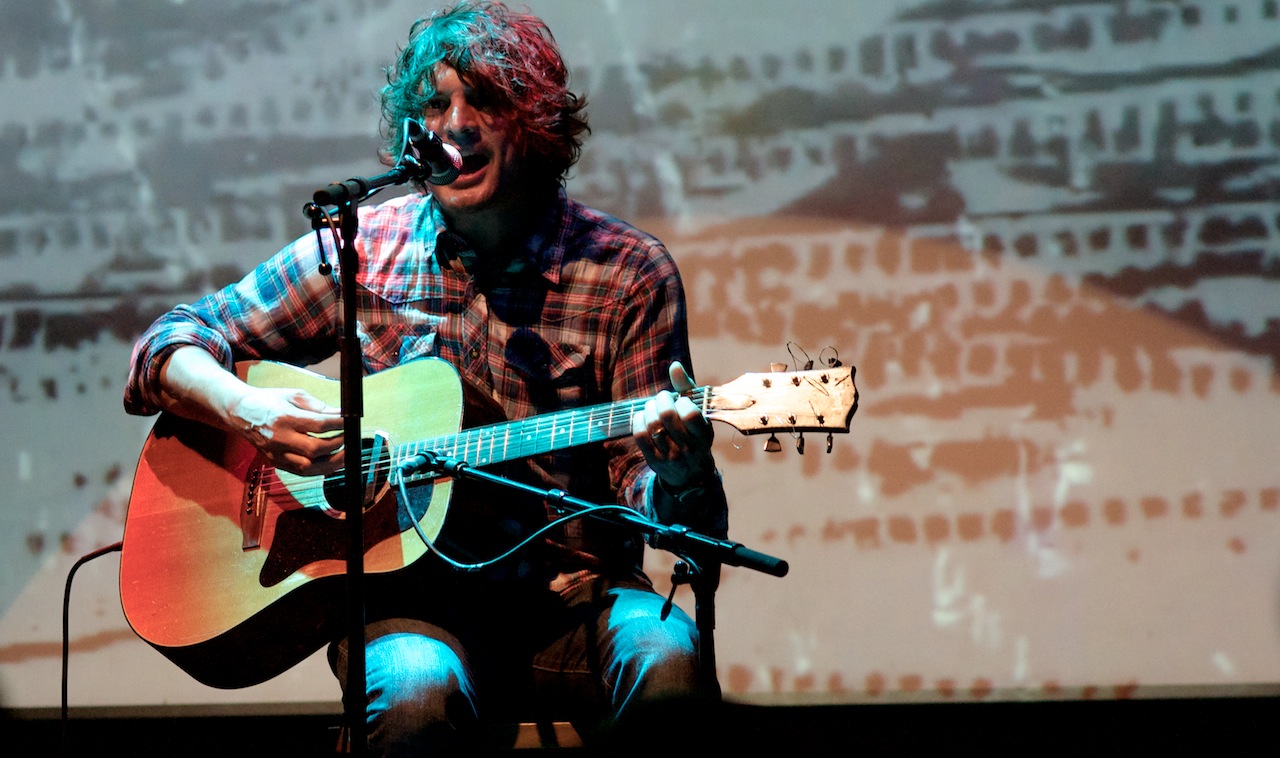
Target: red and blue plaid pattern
591 310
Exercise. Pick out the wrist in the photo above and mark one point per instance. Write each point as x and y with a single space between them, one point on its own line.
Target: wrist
698 504
692 488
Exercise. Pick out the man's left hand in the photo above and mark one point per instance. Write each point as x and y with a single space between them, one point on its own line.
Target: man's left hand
674 436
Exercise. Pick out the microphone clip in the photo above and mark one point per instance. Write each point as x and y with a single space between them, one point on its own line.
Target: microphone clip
427 156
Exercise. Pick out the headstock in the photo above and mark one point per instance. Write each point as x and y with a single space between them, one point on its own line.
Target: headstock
814 400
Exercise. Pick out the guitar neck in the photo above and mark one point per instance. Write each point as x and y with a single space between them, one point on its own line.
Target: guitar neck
536 435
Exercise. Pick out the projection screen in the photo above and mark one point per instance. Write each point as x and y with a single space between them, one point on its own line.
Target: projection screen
1044 233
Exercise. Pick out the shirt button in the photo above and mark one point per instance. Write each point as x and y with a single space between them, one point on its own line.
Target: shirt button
475 352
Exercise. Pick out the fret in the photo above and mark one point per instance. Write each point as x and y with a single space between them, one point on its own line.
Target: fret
477 440
487 435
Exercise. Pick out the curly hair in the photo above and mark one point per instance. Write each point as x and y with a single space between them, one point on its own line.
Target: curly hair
510 59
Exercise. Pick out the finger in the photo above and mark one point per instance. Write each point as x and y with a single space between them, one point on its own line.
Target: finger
662 411
683 419
301 465
318 447
312 454
653 418
324 464
317 416
680 379
641 426
691 421
297 451
310 402
649 434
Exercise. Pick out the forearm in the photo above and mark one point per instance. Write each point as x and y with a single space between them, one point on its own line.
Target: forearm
294 430
193 384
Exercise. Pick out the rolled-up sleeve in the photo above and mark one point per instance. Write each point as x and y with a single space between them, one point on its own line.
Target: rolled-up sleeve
283 310
654 334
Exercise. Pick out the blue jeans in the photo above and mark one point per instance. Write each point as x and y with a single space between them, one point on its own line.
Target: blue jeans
600 657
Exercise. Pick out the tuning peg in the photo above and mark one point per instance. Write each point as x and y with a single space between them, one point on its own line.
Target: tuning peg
772 445
830 442
777 367
800 444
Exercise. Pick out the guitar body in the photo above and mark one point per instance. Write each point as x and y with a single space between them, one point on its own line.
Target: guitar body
234 570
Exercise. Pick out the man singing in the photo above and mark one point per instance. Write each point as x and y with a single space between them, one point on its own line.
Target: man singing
541 304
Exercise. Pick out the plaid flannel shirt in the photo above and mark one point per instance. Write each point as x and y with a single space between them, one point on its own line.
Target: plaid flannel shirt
591 311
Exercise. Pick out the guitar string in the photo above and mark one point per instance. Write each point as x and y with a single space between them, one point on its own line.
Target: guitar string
534 432
530 432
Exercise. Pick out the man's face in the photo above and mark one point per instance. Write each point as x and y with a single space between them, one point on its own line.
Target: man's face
492 171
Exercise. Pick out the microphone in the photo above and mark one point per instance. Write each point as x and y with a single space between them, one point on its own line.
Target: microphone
440 163
415 464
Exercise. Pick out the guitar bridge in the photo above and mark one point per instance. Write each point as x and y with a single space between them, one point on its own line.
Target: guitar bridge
252 509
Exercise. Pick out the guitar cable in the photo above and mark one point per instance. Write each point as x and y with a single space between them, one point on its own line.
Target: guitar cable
66 631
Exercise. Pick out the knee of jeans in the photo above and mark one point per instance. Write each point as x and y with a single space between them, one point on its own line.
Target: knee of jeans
655 658
416 690
670 649
407 724
637 622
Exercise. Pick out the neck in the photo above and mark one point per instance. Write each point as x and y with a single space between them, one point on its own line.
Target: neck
495 231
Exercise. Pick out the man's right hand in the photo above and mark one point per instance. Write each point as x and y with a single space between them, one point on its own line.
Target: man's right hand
296 431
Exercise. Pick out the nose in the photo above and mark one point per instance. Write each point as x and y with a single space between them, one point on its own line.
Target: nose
462 122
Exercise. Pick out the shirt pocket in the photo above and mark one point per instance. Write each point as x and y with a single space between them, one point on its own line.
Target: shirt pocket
397 333
554 374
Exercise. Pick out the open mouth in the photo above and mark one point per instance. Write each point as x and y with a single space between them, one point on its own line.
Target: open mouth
473 163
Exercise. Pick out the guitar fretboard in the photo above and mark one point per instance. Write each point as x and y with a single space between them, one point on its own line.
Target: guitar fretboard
512 440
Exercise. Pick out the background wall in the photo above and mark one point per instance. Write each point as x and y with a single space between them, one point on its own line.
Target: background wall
1043 232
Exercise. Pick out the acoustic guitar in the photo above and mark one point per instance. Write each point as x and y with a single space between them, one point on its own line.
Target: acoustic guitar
232 568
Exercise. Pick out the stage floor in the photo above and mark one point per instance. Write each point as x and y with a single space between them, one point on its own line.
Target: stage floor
1206 726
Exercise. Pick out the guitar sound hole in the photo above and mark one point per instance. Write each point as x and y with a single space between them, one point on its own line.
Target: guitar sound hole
376 453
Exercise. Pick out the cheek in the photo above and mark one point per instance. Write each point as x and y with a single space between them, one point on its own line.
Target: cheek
504 131
433 122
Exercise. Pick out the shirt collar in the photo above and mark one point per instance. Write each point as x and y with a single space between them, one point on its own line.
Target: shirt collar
543 250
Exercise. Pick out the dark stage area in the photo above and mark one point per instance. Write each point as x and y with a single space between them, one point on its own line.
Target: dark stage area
1178 726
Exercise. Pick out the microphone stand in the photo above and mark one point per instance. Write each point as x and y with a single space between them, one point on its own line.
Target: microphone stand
346 197
703 576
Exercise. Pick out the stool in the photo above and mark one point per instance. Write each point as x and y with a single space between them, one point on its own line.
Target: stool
525 735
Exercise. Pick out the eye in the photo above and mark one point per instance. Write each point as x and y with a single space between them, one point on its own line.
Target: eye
479 100
435 105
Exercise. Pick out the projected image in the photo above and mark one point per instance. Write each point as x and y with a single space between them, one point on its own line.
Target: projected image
1044 235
